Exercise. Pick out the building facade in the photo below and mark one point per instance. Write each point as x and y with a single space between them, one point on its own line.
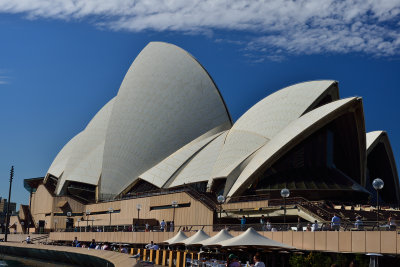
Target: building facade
168 136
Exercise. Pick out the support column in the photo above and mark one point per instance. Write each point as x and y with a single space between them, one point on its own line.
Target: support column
179 259
171 259
184 259
157 257
144 254
151 254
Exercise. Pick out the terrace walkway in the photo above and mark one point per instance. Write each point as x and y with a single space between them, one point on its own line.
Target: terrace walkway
71 255
385 242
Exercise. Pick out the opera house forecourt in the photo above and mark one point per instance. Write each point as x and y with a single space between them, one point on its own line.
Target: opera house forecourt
166 149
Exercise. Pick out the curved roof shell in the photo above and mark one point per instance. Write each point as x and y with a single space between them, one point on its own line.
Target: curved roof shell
85 160
268 117
297 131
162 174
380 149
165 101
199 168
76 161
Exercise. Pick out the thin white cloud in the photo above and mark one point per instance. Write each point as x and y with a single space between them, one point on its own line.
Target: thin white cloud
270 27
4 79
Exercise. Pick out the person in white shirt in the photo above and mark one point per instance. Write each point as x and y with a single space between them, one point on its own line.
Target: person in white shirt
257 261
269 226
28 239
315 226
150 245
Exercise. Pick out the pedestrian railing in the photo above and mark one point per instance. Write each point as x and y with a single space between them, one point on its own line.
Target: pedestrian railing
274 227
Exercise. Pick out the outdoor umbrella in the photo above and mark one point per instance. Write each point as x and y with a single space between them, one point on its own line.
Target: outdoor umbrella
177 239
251 238
196 238
213 241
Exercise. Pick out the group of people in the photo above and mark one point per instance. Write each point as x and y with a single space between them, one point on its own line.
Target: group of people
99 246
233 261
164 227
334 224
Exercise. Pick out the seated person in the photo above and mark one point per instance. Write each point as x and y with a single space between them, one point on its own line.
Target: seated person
28 239
75 242
92 244
150 245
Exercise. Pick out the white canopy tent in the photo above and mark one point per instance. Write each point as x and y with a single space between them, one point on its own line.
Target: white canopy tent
251 238
177 239
196 238
213 241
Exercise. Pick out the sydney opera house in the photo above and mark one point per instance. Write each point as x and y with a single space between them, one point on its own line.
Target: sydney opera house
167 137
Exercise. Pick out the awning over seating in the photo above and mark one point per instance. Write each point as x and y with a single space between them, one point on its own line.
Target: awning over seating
251 238
196 238
177 239
213 241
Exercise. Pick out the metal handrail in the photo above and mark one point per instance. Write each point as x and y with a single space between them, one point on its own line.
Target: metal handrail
322 226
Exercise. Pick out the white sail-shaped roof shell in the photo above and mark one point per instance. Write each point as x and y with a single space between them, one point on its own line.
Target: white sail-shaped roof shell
373 139
85 160
81 158
267 118
200 167
57 167
165 101
161 174
291 135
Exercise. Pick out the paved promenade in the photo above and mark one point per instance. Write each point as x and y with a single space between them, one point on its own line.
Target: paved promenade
71 255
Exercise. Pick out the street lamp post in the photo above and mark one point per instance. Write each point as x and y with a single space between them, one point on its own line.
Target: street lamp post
79 220
284 193
378 185
221 200
110 210
22 227
69 214
174 204
138 207
55 225
87 212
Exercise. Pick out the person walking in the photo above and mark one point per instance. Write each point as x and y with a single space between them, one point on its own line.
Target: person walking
262 222
162 226
335 222
359 224
242 223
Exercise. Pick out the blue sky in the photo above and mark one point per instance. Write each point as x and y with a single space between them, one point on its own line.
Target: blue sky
61 61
